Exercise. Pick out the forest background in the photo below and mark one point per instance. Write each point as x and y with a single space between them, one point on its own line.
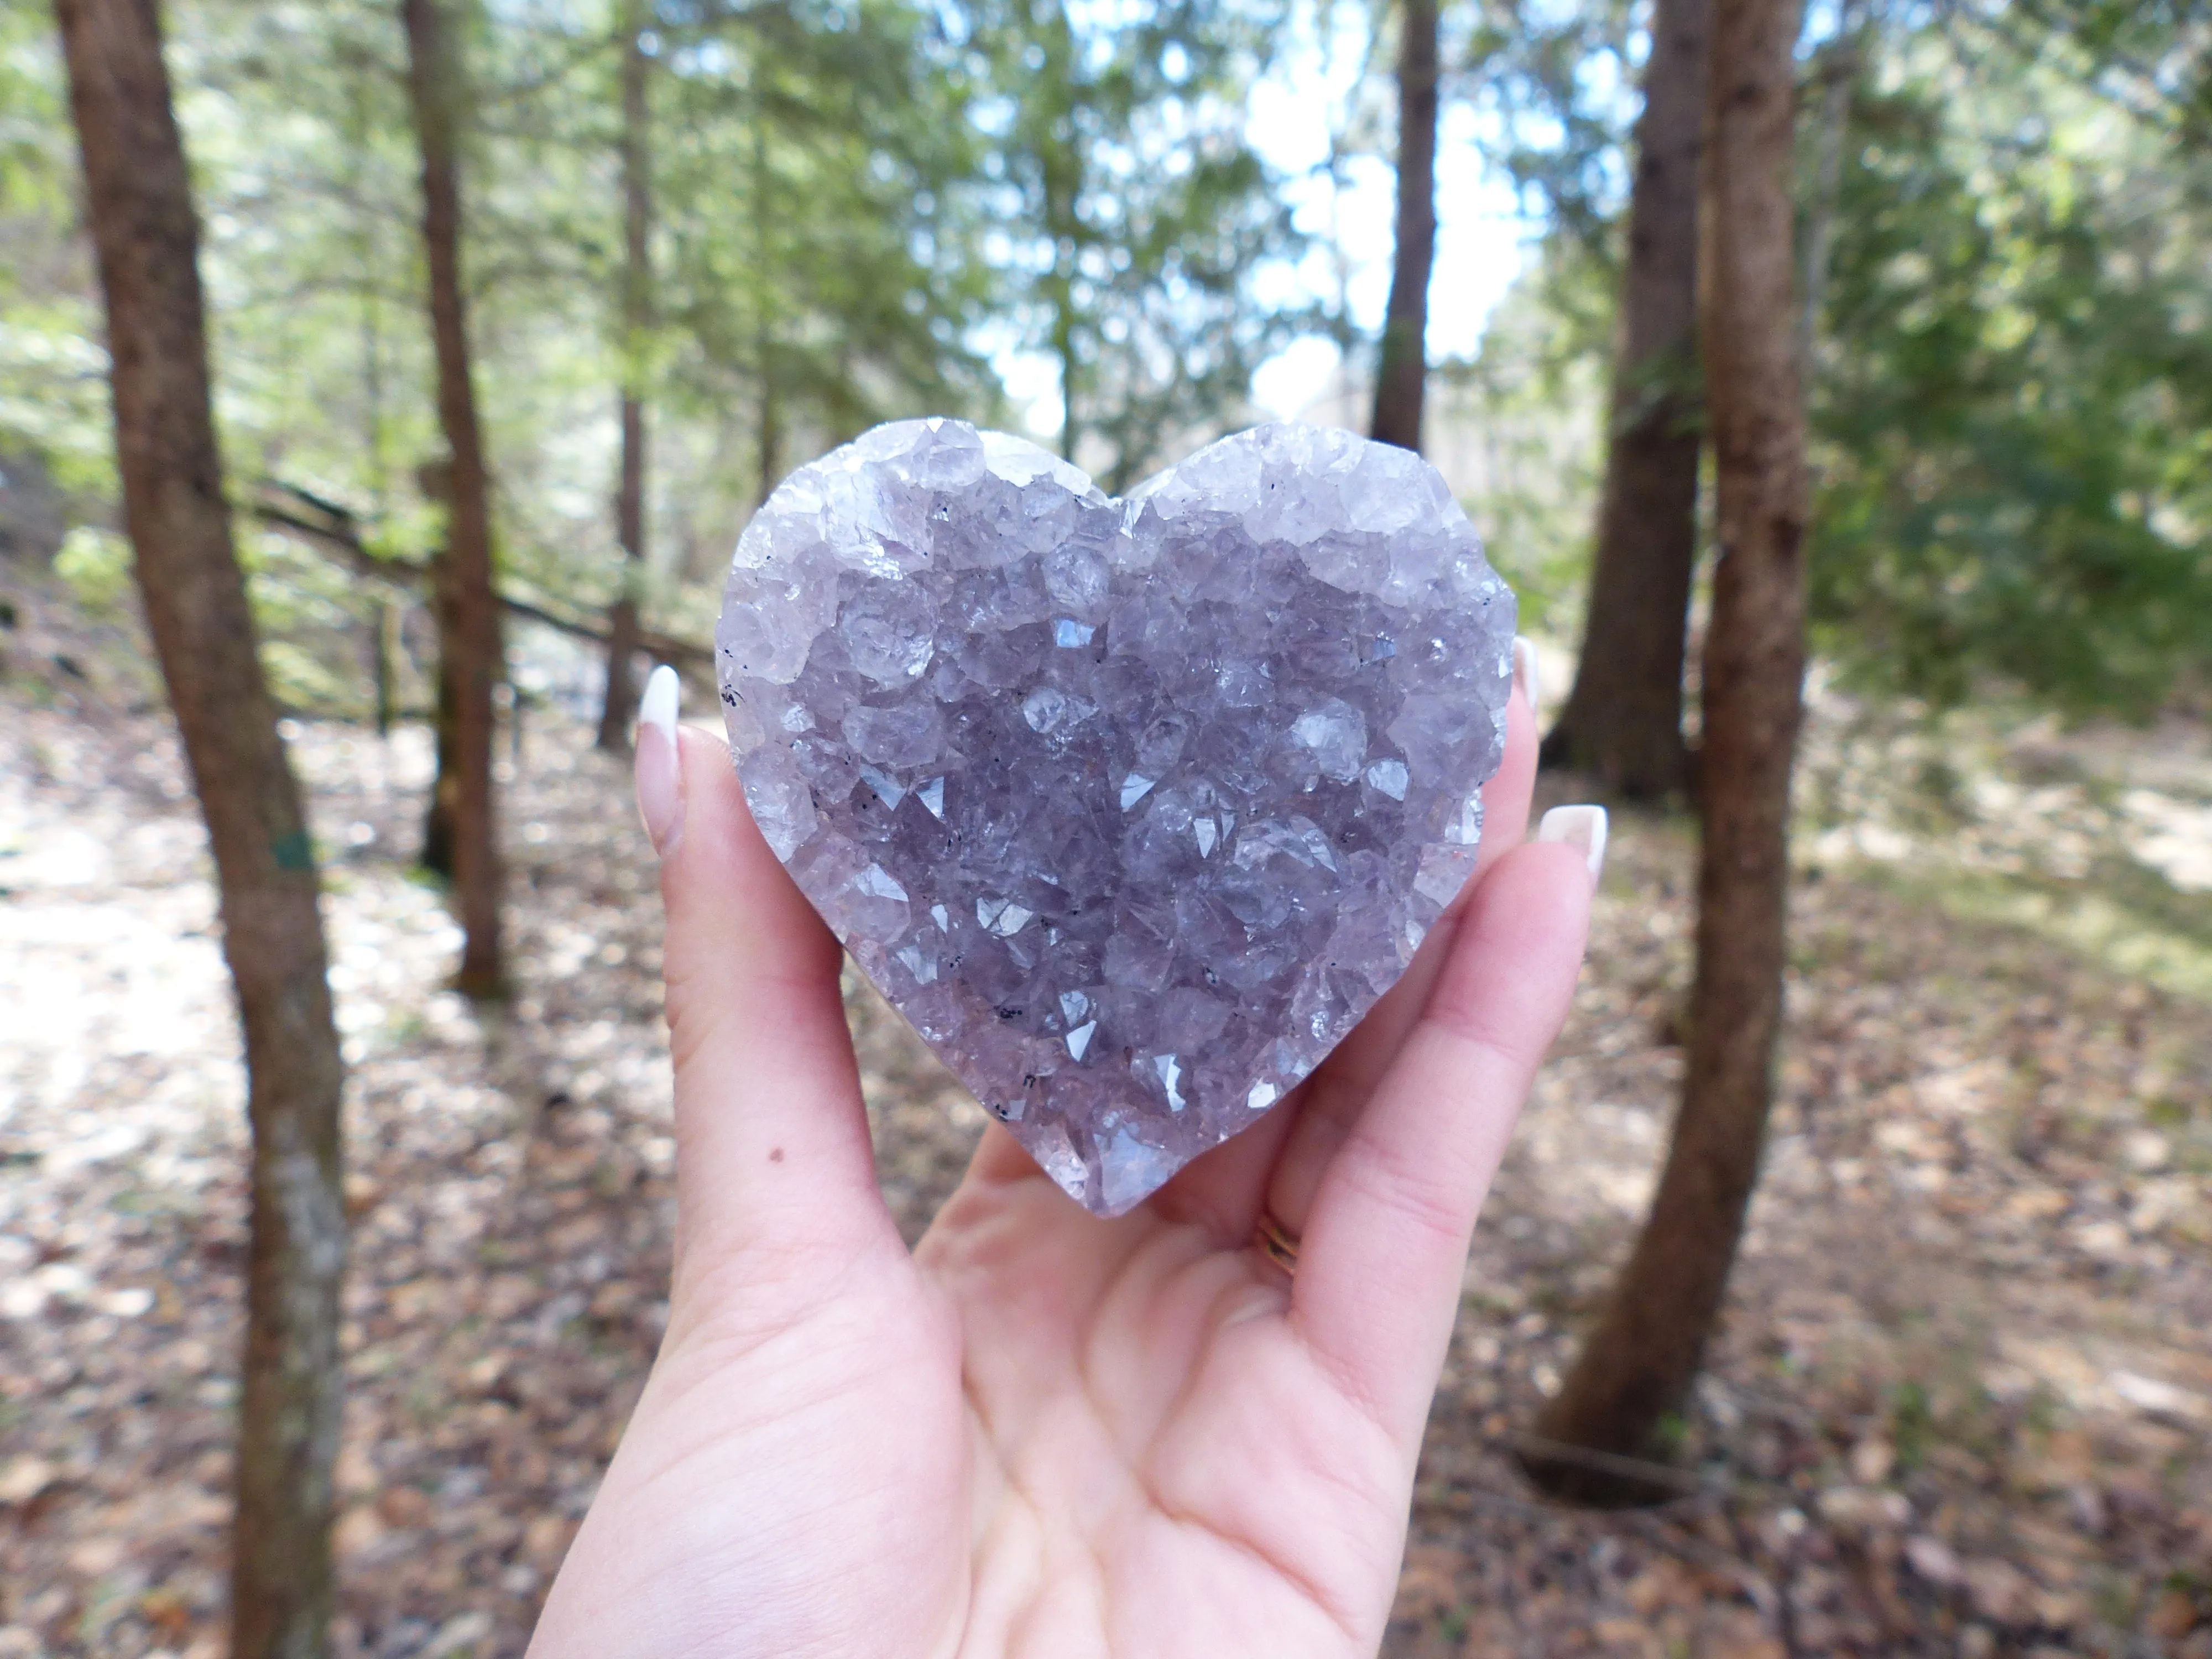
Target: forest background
1099 226
701 244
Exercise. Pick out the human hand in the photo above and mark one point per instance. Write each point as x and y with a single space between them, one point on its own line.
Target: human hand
1040 1432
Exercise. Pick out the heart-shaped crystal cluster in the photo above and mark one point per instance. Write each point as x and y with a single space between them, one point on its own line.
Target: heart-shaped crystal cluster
1132 807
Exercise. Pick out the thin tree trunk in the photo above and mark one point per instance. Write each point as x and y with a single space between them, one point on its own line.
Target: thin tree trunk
1838 67
1630 1385
138 202
383 624
368 241
383 619
771 433
620 705
1071 367
1059 166
1402 377
769 421
1623 720
441 816
468 608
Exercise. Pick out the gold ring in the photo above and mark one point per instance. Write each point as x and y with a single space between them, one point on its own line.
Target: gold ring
1276 1241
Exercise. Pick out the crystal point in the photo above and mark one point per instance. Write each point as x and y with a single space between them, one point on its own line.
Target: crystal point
1133 808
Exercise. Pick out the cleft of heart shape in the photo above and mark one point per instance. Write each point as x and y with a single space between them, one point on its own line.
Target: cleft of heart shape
1132 808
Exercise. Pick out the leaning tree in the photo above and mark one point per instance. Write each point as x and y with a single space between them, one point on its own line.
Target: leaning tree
1634 1375
138 204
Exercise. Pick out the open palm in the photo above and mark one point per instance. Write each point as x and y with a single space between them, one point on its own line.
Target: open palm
1039 1432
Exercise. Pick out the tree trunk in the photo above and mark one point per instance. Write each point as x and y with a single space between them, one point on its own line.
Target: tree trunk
383 621
138 203
1401 376
469 638
1052 109
1632 1380
768 414
1623 721
443 814
620 705
771 433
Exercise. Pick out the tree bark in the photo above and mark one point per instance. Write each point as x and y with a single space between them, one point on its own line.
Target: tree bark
1051 110
1623 720
1630 1385
442 815
469 635
138 204
384 624
324 524
770 423
620 705
1401 376
768 419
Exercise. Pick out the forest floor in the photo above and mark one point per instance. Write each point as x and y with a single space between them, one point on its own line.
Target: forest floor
1961 1402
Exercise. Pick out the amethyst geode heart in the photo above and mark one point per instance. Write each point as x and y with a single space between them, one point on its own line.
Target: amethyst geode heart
1132 807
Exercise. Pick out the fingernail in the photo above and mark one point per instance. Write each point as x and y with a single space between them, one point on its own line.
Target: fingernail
1524 672
1577 826
659 773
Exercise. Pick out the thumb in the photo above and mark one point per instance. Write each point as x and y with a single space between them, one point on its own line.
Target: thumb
772 1138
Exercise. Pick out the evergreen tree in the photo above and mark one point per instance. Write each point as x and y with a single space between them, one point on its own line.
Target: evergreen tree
2013 410
1136 213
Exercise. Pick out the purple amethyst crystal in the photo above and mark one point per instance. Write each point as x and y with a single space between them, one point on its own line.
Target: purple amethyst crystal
1132 807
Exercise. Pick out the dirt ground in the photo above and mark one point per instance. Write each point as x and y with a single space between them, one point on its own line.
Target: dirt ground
1962 1403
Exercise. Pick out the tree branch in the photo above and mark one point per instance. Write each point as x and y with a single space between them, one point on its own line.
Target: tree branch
309 518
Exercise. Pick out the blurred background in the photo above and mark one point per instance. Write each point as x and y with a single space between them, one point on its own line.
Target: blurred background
507 315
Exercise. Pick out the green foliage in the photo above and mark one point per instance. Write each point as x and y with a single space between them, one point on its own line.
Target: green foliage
96 565
53 368
2154 58
1558 83
53 392
2014 413
1534 394
813 172
1132 216
1912 1428
857 204
854 203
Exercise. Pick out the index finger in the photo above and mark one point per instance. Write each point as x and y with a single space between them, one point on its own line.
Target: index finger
772 1138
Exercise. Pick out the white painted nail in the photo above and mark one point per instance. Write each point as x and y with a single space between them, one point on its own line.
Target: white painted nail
659 770
1525 675
1577 826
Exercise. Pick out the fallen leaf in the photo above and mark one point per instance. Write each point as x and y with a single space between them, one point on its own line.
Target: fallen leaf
1932 1560
2000 1592
25 1477
2174 1615
359 1530
404 1506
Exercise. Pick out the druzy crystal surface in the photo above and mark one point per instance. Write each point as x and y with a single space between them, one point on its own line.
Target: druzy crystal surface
1132 807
